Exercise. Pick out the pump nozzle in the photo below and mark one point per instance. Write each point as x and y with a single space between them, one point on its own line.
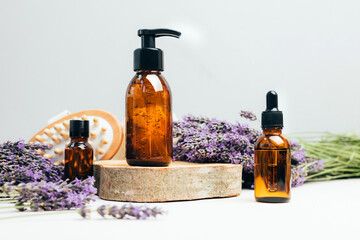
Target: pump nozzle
272 117
148 57
148 36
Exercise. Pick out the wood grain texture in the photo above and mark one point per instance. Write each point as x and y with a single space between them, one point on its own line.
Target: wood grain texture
115 180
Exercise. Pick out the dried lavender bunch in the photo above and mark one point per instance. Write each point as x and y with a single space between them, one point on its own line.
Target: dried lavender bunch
50 196
127 211
20 163
204 140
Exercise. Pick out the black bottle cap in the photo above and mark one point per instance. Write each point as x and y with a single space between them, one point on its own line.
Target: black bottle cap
79 128
272 117
148 57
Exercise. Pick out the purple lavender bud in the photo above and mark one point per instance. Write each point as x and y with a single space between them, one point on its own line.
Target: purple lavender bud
19 206
34 205
299 155
83 211
135 211
294 145
101 210
131 211
317 165
7 188
248 115
297 176
157 211
114 211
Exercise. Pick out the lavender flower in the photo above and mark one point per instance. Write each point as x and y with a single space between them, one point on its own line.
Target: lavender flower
84 212
299 156
127 211
294 145
49 196
298 176
101 210
114 211
318 165
20 163
248 115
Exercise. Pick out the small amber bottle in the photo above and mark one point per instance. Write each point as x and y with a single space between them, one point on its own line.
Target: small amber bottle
272 156
79 153
148 105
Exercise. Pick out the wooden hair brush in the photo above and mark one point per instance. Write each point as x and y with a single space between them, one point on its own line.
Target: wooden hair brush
106 135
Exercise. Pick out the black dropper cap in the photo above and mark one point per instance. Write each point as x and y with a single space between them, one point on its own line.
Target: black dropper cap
272 117
148 57
79 128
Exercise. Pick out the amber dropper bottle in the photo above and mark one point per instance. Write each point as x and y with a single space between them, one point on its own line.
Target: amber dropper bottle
79 153
148 105
272 156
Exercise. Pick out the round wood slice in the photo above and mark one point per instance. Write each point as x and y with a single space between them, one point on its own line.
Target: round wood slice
116 180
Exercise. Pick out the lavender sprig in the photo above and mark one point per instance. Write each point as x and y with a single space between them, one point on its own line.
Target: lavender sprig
248 115
50 196
298 176
127 211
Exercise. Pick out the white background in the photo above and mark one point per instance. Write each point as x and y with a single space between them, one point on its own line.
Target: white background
76 55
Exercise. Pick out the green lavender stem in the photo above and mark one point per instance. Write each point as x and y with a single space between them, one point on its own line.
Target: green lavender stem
321 150
6 199
19 206
340 153
326 178
36 214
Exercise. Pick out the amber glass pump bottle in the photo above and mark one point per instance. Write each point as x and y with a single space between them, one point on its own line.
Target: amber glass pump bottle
272 156
79 153
148 105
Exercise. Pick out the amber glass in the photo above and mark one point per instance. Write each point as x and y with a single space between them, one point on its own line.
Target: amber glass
272 167
148 120
78 159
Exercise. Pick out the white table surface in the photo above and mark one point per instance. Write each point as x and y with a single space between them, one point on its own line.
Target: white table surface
321 210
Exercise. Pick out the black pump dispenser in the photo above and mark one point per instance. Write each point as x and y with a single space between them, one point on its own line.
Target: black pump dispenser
148 57
272 117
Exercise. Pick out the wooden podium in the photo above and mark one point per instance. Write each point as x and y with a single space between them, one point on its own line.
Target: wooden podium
116 180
